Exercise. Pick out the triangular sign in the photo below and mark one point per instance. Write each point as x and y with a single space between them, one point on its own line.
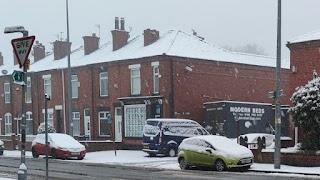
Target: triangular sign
22 48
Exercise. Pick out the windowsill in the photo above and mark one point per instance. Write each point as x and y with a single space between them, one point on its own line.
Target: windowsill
104 135
104 96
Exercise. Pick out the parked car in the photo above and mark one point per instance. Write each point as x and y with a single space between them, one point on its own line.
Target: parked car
253 139
60 146
163 136
1 147
214 151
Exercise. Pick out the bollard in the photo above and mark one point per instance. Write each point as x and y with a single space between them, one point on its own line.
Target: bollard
22 173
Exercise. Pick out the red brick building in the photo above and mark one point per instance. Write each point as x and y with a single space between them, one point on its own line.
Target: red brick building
304 58
167 74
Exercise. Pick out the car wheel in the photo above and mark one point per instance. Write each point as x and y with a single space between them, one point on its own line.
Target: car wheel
54 154
245 168
171 152
183 163
34 153
80 157
219 165
152 154
1 152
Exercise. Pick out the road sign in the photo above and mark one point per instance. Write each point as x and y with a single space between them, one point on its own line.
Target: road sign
22 48
18 77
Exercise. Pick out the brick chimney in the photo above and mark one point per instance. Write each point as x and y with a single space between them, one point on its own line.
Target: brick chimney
91 43
1 59
38 51
150 36
61 49
119 36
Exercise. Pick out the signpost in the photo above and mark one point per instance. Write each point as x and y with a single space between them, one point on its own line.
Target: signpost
18 77
22 48
109 121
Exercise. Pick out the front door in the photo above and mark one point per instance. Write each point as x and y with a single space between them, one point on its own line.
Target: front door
118 124
87 123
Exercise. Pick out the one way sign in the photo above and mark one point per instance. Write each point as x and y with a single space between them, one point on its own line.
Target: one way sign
22 48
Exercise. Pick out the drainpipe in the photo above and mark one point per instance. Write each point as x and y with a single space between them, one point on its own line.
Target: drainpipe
64 102
171 96
92 124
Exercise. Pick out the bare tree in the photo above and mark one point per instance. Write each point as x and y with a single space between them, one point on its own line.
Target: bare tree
251 48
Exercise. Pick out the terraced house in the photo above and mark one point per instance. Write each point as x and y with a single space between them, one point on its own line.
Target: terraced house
133 77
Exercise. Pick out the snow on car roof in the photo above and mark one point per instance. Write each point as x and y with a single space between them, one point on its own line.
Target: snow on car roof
64 140
224 144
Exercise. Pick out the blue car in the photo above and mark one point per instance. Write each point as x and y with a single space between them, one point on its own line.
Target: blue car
163 135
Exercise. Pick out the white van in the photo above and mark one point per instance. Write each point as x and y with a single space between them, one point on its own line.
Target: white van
163 135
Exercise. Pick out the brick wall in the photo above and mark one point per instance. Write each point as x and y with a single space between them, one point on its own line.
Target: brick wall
293 159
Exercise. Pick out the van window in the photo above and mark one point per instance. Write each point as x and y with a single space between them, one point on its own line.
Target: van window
151 128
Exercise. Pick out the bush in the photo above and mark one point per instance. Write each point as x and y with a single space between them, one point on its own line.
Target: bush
41 128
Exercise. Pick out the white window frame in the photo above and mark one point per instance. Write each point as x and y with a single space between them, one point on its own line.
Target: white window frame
47 85
29 91
8 123
104 118
76 117
50 116
156 77
135 118
135 79
6 89
103 76
29 118
74 84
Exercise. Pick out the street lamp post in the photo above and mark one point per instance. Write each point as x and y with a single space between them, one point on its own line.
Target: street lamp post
278 93
69 76
22 173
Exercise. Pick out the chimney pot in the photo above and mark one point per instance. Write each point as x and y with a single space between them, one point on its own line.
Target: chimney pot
117 23
122 23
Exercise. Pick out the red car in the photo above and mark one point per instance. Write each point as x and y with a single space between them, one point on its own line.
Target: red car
60 146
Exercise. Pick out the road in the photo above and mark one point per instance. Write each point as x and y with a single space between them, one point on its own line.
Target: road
64 169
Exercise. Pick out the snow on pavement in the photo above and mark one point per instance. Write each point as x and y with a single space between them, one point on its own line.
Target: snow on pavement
141 159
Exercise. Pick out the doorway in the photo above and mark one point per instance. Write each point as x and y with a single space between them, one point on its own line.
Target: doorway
118 124
87 128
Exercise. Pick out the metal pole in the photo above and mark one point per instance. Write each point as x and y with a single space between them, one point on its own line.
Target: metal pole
277 153
22 174
69 77
46 131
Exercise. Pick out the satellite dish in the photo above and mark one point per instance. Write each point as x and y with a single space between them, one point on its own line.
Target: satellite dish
4 72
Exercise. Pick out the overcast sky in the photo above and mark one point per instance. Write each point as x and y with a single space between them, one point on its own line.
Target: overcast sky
221 22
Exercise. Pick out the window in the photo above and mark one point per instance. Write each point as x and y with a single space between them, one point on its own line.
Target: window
156 79
47 85
29 120
74 83
8 123
7 93
50 117
135 81
76 123
104 84
28 95
104 127
135 118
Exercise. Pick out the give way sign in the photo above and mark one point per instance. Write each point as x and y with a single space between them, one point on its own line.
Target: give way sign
22 48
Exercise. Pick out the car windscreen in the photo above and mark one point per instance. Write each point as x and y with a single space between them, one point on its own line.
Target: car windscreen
151 128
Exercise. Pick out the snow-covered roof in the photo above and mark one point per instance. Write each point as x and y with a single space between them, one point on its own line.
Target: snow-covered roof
311 36
172 43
